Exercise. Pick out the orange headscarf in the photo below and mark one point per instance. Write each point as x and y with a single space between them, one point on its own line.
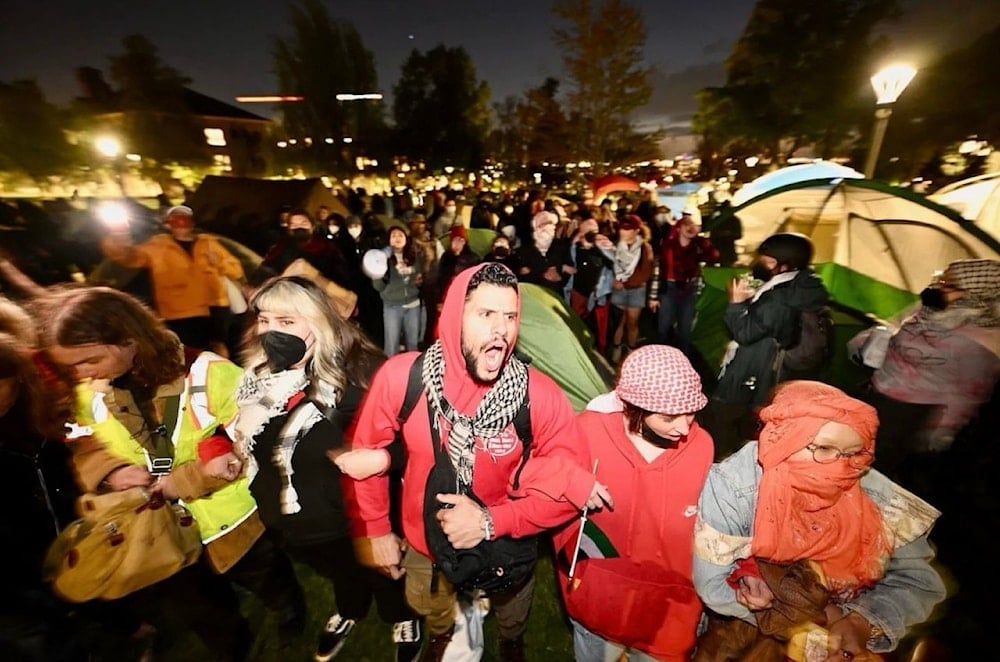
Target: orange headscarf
807 510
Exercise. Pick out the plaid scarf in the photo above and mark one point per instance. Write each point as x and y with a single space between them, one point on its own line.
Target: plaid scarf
495 412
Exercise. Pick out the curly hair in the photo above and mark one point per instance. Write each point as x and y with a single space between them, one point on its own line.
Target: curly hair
342 354
105 316
46 402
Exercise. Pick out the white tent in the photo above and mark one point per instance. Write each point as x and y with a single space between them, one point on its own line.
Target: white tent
802 172
890 234
977 199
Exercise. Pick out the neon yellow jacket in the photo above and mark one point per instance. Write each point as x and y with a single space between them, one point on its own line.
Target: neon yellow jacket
207 401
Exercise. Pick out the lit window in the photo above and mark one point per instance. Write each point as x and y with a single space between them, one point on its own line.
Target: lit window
215 137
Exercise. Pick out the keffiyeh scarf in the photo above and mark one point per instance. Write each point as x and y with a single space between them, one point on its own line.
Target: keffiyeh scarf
495 412
627 258
262 397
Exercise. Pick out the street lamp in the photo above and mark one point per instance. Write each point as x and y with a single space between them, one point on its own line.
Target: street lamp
888 84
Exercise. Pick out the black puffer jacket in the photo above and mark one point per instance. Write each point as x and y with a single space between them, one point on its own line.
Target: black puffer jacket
760 328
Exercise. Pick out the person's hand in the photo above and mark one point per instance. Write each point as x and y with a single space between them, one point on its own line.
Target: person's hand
360 463
603 242
463 522
551 275
654 306
165 486
225 467
754 593
600 496
124 478
849 637
387 555
739 290
617 285
568 269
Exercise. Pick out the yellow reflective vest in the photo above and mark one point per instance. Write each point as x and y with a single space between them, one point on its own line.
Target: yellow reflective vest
207 402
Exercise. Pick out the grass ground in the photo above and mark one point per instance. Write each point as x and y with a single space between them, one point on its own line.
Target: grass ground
548 637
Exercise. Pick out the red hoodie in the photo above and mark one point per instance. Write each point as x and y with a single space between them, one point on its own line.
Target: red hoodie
542 501
633 585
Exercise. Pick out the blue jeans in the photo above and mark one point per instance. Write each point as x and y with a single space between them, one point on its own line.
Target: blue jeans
397 321
677 306
588 647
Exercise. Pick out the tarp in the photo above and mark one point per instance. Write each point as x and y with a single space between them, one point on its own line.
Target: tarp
480 240
246 209
558 343
890 234
801 172
976 198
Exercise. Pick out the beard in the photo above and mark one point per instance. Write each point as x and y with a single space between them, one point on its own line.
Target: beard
472 366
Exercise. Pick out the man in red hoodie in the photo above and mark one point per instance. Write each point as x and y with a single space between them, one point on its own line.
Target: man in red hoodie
474 384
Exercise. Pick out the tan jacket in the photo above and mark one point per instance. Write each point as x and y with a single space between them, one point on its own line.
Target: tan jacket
184 285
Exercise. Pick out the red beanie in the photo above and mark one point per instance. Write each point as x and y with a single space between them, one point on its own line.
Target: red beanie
459 231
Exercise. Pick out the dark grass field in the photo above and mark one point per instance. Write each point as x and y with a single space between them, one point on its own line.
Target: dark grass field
548 637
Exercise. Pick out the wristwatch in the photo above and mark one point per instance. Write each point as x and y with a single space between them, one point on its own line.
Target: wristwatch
487 524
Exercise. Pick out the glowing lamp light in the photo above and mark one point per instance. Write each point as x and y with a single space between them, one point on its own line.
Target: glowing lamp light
359 97
109 146
890 82
113 215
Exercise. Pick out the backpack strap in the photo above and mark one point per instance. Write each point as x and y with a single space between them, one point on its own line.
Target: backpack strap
414 387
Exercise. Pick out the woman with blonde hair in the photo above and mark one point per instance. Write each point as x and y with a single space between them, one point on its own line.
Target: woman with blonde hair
306 372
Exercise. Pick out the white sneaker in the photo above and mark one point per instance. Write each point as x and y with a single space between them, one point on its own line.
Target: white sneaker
333 637
406 636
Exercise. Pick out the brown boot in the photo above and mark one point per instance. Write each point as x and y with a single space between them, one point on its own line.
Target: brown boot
512 650
436 646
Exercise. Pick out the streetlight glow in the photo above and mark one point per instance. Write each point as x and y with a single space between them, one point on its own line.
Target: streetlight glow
359 97
109 146
888 84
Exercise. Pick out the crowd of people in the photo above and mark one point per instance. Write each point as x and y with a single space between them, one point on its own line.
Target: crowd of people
770 518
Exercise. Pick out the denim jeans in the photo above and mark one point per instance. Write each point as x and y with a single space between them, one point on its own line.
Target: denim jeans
588 647
398 321
677 305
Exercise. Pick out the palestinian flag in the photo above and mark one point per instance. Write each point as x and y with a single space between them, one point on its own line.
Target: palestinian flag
594 545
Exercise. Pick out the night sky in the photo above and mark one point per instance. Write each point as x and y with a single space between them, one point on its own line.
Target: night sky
225 46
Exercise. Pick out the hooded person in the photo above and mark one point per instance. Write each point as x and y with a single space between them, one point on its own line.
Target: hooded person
301 242
473 385
631 590
761 320
853 545
941 366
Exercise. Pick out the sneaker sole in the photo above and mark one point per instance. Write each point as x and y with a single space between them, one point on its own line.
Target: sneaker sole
332 654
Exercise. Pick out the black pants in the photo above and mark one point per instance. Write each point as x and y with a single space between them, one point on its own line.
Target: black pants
354 585
267 572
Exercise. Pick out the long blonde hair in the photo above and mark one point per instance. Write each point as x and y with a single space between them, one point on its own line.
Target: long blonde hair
341 355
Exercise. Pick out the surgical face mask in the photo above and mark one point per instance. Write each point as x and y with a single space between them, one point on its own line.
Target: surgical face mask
354 231
333 228
450 209
301 234
508 210
283 350
933 297
661 219
761 272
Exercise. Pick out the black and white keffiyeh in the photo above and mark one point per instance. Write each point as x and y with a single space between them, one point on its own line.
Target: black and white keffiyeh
261 398
495 412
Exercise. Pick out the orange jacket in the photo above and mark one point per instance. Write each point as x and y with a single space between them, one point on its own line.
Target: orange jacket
184 285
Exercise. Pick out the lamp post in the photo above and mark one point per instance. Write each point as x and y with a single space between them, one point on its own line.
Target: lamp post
888 84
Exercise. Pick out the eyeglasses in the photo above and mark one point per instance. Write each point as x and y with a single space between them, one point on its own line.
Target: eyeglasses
828 455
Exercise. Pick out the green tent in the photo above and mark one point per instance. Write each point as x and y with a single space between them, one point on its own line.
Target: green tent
480 240
559 344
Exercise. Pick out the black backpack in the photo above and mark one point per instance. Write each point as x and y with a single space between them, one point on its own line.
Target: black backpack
492 565
812 347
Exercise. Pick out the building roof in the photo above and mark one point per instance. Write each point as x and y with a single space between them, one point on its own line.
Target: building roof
206 106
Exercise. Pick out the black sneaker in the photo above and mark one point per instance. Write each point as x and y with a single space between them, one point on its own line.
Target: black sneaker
333 637
406 636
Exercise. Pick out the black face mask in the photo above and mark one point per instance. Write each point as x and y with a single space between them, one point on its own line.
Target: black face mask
301 235
649 435
590 237
760 272
933 297
501 252
283 350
